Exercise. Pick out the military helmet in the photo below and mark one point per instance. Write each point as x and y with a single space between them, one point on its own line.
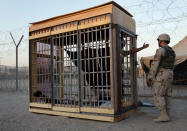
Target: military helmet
164 37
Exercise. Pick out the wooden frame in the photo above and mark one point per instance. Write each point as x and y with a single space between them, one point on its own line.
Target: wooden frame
83 116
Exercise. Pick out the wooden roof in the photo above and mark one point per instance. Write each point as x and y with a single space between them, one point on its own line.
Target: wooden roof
108 3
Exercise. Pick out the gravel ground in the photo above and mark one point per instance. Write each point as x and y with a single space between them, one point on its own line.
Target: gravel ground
14 116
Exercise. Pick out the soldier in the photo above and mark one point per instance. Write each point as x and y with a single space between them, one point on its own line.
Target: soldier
161 76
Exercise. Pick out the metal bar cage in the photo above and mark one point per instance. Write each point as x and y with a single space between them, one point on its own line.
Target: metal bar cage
74 70
127 66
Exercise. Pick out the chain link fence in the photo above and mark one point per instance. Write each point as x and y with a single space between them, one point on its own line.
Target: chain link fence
8 78
23 85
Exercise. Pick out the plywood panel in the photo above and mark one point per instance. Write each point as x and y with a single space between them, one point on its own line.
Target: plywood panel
39 35
77 115
86 23
119 17
102 20
66 109
65 29
97 110
85 116
73 17
32 104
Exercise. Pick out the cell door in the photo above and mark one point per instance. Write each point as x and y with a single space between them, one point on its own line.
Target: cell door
81 69
127 69
65 71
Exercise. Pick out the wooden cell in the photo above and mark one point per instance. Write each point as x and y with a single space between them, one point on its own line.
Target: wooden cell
76 67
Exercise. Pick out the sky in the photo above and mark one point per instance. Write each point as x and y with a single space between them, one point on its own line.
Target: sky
152 17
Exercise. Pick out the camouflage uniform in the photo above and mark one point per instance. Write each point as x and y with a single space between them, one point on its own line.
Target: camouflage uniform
161 75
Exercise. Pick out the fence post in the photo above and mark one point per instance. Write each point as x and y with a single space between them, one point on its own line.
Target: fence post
16 57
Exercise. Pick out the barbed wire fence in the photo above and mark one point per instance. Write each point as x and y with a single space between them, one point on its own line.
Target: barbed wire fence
152 17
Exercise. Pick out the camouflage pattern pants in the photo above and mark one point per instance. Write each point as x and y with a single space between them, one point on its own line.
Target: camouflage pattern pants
162 89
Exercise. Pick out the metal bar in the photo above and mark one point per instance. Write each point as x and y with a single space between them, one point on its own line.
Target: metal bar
79 64
44 72
71 60
101 55
126 30
92 61
38 63
16 67
49 62
105 62
52 73
85 65
135 82
64 62
63 66
13 39
87 76
19 40
88 60
31 42
67 60
73 41
97 55
58 70
128 66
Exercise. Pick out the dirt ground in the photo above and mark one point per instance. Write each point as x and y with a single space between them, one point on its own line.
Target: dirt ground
14 116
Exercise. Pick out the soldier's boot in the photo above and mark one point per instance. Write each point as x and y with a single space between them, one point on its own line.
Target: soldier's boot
163 117
168 105
168 111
